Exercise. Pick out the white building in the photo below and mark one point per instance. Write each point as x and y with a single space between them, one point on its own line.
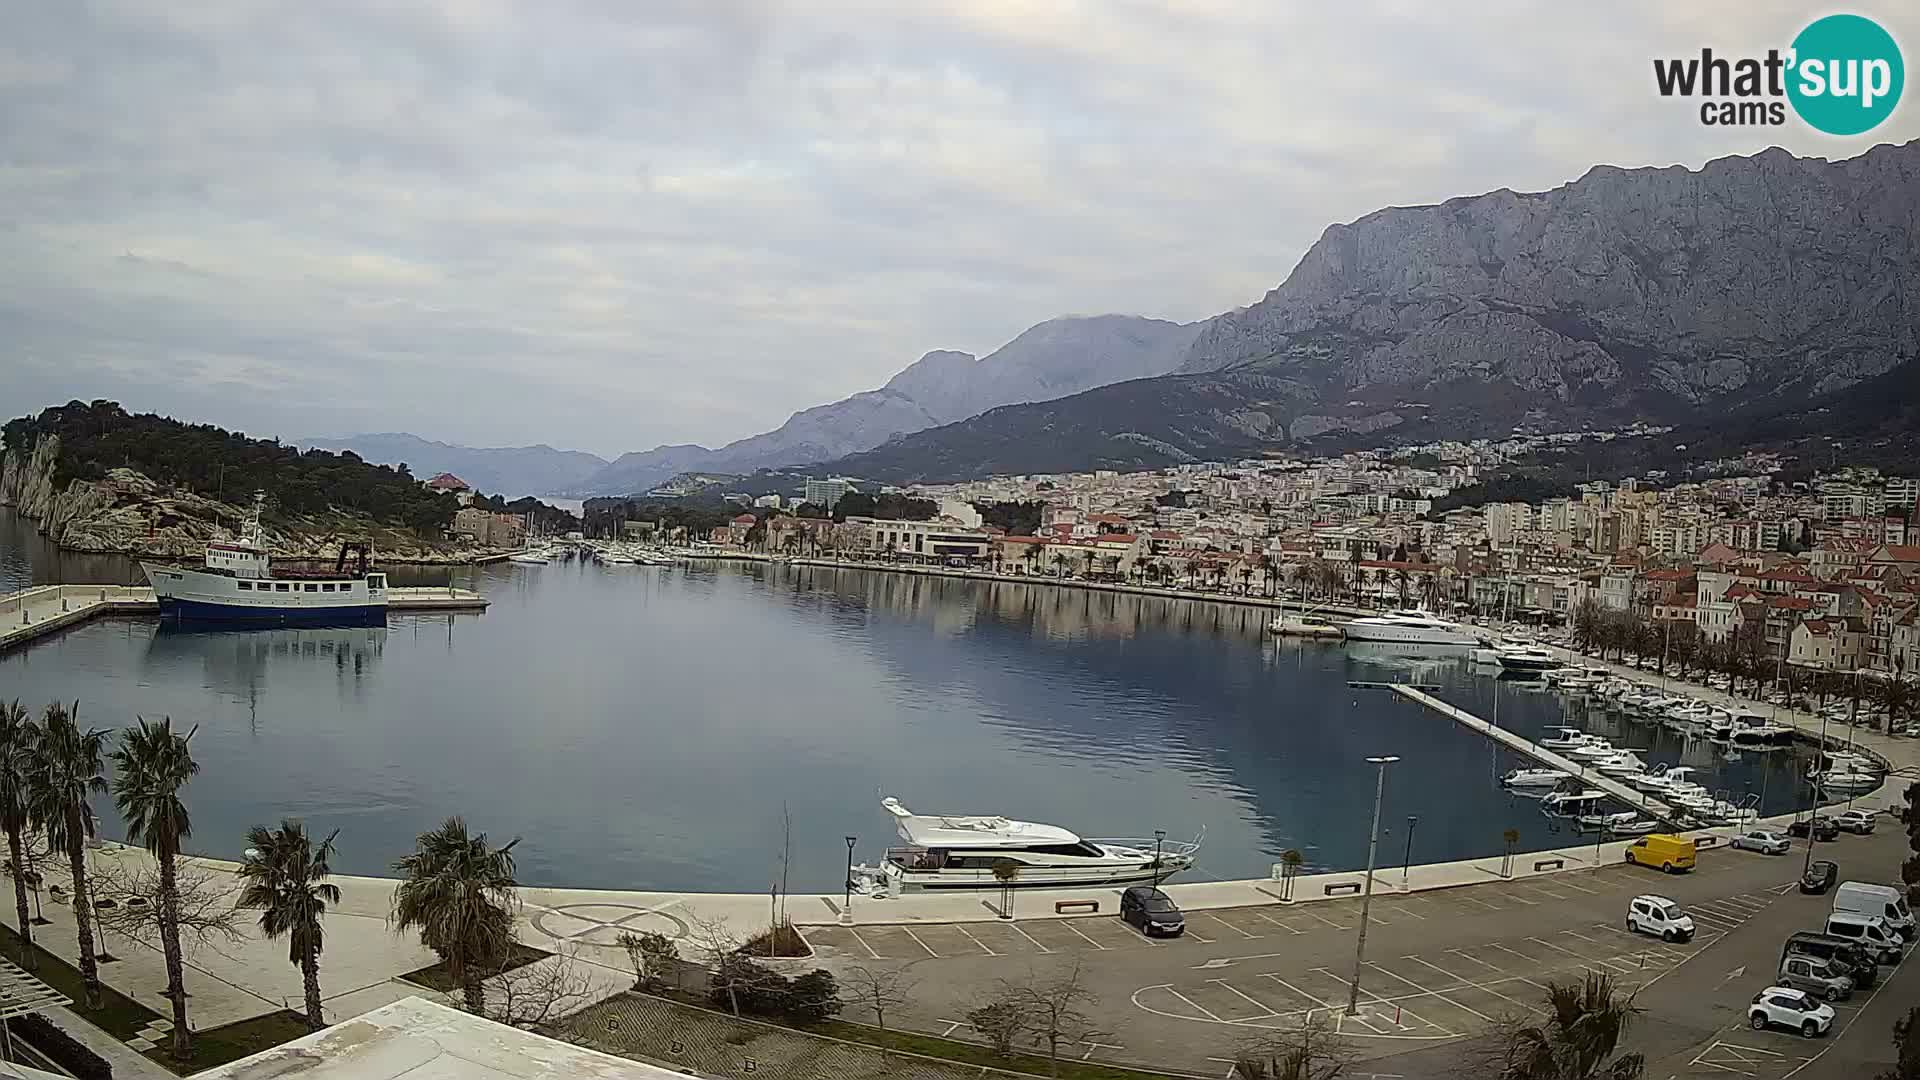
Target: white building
825 493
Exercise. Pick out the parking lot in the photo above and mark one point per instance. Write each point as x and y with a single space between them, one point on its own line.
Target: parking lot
1441 966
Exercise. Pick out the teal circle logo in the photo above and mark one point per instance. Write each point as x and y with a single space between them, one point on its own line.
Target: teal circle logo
1847 74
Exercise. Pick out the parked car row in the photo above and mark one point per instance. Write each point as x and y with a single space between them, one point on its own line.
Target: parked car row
1869 925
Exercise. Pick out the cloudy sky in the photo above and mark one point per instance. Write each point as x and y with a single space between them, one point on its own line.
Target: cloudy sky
610 224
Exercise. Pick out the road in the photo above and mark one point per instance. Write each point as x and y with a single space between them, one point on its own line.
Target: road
1440 967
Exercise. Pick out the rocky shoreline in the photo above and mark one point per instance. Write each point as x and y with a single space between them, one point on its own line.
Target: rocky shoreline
127 513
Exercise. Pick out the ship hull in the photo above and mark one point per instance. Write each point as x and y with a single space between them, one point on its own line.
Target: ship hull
202 611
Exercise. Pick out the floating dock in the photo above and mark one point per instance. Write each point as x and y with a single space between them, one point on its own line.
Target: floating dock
1592 777
46 609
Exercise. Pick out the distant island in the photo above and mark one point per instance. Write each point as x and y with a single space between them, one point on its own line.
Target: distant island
97 478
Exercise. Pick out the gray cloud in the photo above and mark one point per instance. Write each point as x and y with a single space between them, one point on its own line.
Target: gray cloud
612 225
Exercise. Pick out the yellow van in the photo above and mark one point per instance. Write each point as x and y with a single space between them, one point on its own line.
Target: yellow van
1671 853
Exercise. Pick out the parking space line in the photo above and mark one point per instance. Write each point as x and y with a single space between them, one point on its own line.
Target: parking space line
1477 960
1188 932
1435 993
1232 927
1407 909
917 941
1465 982
1332 1010
1329 922
1577 888
1278 923
1068 923
1400 1009
1536 886
1204 1011
1248 998
1482 903
975 940
1036 941
863 943
1725 910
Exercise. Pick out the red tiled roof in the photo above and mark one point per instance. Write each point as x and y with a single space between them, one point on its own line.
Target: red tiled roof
1023 539
446 481
1903 552
744 519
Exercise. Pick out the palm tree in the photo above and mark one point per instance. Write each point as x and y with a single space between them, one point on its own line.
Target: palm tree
458 891
16 775
1400 578
1577 1037
150 766
17 733
287 881
67 765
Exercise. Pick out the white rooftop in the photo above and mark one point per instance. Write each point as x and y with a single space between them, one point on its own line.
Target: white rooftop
419 1040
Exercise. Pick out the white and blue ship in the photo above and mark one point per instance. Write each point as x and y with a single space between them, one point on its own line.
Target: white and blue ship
238 585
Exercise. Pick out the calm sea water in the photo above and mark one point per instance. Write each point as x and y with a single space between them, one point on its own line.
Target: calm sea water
649 728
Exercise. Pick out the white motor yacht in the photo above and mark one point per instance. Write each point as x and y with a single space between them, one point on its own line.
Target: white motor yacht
1527 658
961 851
1622 765
1752 731
1597 750
1411 626
530 557
1533 778
1573 803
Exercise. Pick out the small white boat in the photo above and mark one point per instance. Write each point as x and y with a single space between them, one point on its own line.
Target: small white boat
1638 826
1623 765
1526 658
1533 778
1566 738
1594 751
531 557
613 557
1302 626
1606 821
1752 731
1572 803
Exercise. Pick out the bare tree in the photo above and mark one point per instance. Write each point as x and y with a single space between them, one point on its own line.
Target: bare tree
1310 1051
718 945
877 990
1000 1020
1055 1009
535 995
205 899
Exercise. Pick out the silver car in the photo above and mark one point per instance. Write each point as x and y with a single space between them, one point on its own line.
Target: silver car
1765 841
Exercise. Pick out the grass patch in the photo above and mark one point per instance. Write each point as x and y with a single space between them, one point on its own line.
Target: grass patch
118 1015
437 977
973 1053
217 1046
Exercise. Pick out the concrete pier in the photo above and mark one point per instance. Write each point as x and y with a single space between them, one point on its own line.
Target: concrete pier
1592 777
45 609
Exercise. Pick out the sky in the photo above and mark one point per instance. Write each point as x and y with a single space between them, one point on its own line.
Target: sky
607 225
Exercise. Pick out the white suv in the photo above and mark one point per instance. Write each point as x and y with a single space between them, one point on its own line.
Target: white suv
1785 1007
1660 917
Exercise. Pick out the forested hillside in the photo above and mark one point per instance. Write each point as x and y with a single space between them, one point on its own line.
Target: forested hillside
226 465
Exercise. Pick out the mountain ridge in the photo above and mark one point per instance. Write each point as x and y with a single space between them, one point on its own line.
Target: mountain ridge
1657 293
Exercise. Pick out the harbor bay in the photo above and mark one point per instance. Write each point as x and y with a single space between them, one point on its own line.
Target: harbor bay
654 727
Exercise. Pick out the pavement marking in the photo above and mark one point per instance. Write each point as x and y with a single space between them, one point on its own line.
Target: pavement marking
1374 998
1278 923
1036 941
863 943
1332 1010
1578 888
975 940
1068 923
917 941
1201 1009
1477 960
1465 982
1329 922
1249 999
1482 903
1436 993
1735 1055
1407 909
1232 927
952 1026
1188 932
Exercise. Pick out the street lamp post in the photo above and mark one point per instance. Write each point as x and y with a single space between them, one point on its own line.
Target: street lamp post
846 909
1813 813
1159 837
1366 896
1407 862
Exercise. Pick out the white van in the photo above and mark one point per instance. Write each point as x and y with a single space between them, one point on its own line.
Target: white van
1860 898
1869 930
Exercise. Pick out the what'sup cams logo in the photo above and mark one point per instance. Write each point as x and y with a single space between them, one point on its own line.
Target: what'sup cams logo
1842 75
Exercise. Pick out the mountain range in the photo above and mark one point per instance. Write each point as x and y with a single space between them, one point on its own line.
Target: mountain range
1660 294
1667 294
1055 358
